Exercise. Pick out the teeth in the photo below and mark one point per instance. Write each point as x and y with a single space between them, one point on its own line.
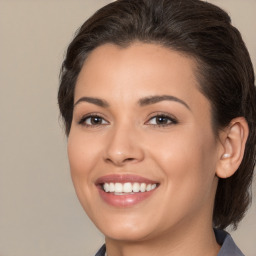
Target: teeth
106 187
148 188
153 186
118 188
128 187
111 187
136 187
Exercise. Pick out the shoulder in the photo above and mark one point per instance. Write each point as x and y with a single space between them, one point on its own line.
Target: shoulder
228 246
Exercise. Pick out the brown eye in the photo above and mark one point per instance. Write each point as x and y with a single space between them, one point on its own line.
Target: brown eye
162 120
96 120
93 121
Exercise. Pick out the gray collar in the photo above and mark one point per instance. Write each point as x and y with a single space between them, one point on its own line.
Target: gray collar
228 246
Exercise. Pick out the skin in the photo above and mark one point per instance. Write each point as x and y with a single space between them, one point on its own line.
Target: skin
182 155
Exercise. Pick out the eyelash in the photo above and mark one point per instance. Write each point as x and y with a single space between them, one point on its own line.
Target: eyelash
171 120
90 116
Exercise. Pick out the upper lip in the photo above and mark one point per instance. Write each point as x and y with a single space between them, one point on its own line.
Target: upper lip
122 178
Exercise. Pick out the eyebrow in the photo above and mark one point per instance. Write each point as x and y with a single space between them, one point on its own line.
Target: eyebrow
142 102
155 99
96 101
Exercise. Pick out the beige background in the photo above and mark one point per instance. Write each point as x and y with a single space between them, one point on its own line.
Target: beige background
39 212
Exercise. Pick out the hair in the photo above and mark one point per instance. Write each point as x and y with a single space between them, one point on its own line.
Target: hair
224 70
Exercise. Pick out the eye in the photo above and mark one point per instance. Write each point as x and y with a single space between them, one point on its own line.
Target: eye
93 120
162 120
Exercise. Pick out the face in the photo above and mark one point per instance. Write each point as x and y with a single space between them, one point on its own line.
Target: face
141 148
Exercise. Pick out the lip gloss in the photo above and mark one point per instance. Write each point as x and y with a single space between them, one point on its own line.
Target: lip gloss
124 199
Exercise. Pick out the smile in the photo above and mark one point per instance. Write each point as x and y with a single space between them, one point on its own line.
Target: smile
128 187
125 190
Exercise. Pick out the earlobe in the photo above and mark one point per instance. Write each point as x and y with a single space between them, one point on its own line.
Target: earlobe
233 140
226 155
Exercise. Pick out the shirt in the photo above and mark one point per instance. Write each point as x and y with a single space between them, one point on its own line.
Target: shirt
228 246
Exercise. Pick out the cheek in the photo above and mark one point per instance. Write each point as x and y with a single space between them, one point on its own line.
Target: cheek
188 159
188 166
82 159
81 153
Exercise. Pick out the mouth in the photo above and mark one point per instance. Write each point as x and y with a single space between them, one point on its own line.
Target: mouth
125 190
127 187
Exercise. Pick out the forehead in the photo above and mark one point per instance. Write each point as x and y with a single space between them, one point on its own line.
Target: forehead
138 70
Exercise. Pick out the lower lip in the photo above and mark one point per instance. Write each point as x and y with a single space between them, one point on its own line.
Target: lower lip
124 200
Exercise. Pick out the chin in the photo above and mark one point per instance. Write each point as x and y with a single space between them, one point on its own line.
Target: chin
125 228
124 233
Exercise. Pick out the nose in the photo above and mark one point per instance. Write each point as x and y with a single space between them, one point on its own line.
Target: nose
123 147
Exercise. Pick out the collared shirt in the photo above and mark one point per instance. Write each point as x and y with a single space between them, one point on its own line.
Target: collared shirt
228 246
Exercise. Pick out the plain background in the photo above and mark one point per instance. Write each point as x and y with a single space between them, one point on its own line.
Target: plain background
39 212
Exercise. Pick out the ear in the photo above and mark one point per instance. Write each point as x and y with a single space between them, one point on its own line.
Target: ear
233 139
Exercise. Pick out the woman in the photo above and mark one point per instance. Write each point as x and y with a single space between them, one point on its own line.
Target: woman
158 101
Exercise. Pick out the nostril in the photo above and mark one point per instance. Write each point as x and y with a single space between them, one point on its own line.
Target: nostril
120 161
129 159
120 157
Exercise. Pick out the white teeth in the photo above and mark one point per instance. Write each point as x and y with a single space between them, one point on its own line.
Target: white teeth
111 187
106 187
148 188
136 187
128 187
153 186
118 187
143 187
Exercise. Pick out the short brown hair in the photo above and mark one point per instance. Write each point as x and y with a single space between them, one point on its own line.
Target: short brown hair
225 73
